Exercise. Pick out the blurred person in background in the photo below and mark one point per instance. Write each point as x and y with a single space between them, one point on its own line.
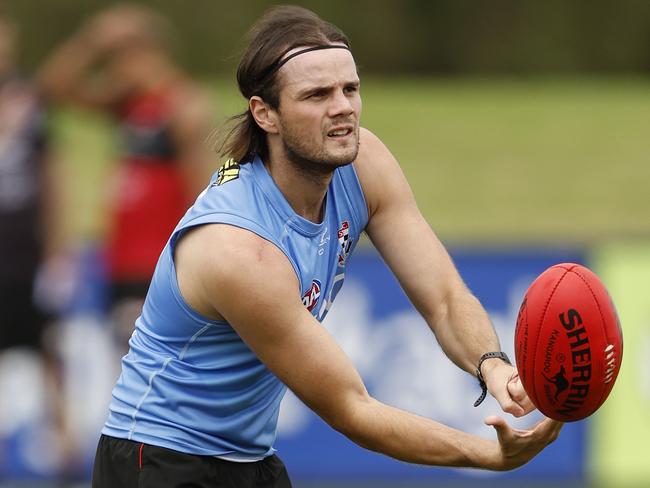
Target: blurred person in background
120 63
232 317
33 266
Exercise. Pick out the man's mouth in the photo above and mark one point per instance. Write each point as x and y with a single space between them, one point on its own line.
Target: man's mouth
340 132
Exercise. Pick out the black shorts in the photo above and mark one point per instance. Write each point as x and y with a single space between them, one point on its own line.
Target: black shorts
22 323
120 290
120 463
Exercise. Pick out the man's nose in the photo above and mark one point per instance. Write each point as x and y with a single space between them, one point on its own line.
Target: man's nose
341 105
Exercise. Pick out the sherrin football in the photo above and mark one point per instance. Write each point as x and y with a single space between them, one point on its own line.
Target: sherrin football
568 342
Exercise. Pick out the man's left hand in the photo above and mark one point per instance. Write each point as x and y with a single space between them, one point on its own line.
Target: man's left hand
503 383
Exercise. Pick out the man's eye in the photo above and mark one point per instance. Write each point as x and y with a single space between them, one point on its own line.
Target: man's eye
317 94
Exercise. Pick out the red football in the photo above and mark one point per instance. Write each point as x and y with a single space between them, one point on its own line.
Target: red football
568 342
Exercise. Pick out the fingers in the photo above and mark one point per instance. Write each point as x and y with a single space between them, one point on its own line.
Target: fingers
550 429
507 403
520 446
550 424
519 395
494 421
504 431
498 380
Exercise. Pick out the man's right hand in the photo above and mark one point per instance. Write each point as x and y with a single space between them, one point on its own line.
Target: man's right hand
517 446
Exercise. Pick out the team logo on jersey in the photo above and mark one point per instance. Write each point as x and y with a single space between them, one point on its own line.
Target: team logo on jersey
345 242
228 172
310 298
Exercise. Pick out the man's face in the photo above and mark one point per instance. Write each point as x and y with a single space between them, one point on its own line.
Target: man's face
319 109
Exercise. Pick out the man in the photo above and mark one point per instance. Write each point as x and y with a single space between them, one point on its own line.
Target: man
232 315
25 178
32 255
119 62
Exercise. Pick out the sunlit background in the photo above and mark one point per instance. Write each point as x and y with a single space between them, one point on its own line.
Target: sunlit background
523 129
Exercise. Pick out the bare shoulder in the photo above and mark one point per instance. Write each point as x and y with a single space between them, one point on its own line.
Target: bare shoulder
371 148
379 172
217 262
224 248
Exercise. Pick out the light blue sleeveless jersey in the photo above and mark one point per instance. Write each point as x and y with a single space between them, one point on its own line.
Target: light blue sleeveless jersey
191 384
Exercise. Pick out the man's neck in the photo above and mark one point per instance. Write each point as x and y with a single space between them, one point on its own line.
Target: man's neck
304 191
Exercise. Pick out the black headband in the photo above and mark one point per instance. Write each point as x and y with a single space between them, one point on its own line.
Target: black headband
281 61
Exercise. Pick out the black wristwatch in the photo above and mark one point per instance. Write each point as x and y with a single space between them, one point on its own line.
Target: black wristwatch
488 355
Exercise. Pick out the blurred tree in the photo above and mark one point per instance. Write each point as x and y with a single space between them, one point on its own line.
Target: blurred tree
406 36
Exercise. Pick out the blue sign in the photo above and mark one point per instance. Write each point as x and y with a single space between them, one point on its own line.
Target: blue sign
402 365
376 325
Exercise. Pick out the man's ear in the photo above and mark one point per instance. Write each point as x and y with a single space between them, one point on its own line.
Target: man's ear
264 115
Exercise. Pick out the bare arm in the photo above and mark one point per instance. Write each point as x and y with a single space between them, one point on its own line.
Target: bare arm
53 208
69 74
190 128
269 316
427 274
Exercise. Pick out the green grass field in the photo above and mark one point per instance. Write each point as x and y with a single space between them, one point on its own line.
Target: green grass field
490 161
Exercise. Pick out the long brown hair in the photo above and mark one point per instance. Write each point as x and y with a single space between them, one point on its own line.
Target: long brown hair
279 30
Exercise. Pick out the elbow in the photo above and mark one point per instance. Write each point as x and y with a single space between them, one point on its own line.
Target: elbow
349 417
356 422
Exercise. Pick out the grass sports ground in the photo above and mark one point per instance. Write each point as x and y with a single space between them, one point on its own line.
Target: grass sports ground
516 161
